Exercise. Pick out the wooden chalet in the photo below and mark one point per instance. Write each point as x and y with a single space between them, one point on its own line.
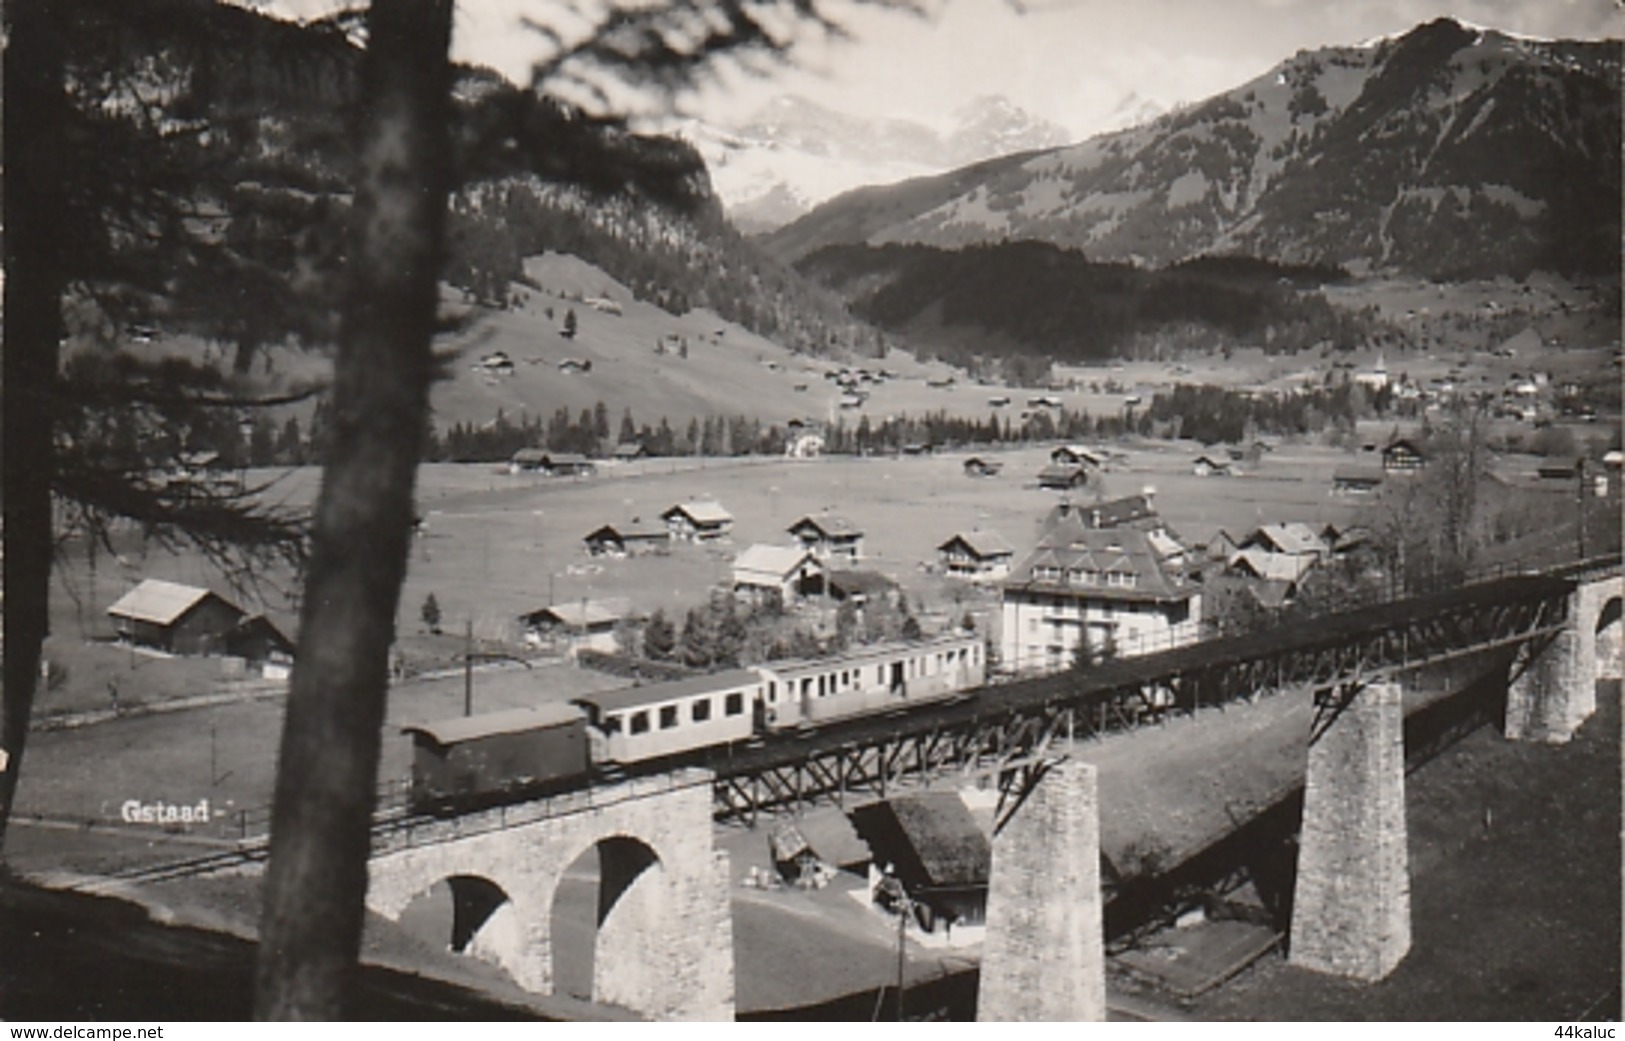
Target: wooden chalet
781 574
701 520
828 537
175 618
976 555
633 538
1063 476
1402 456
976 466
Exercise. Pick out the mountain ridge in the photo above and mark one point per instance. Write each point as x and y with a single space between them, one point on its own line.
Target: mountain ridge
1447 151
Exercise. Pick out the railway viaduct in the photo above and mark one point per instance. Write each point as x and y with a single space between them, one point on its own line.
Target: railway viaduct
664 944
665 932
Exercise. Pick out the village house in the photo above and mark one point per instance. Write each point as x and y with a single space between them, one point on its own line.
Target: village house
701 520
1207 466
188 620
977 555
633 538
976 466
629 451
1063 476
1129 511
777 574
553 464
829 537
1107 588
1076 455
575 626
1293 538
1402 456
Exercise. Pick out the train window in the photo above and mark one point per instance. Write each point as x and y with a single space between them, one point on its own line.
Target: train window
640 722
733 704
668 716
702 710
772 691
612 724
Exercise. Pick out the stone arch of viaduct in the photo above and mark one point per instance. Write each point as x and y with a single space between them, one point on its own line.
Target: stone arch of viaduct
1555 691
665 938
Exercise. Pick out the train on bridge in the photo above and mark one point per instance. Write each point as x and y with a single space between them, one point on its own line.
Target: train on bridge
470 762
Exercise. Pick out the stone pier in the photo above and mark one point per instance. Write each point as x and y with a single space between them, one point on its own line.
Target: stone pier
1557 691
1351 910
1044 956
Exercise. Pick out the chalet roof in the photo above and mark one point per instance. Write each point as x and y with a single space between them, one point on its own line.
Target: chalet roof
632 529
1282 567
700 511
1216 464
670 690
1294 537
566 459
778 561
530 455
511 721
1071 547
982 543
828 525
931 835
580 613
161 602
628 450
1076 452
1401 446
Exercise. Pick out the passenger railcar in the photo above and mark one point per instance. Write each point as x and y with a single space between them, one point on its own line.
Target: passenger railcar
871 679
470 760
635 724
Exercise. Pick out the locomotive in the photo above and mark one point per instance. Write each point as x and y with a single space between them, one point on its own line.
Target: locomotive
474 761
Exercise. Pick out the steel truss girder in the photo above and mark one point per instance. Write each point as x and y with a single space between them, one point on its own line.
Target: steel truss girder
1029 717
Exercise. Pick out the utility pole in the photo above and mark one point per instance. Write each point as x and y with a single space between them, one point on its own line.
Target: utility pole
468 667
1580 501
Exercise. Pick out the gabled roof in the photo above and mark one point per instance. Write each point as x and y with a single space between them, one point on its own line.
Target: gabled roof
1077 452
828 525
632 529
982 543
931 836
512 721
778 561
161 602
580 613
671 690
1281 567
700 511
1401 446
1294 537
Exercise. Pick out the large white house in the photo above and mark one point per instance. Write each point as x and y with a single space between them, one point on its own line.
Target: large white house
1111 587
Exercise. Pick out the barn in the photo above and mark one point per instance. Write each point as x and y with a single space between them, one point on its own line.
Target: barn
175 618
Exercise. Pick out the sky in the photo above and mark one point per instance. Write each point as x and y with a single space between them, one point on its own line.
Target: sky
1072 62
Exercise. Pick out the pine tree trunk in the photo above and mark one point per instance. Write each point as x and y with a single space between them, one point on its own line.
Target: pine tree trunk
326 778
36 106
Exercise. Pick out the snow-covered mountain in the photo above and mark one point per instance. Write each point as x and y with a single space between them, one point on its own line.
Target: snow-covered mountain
794 153
1448 150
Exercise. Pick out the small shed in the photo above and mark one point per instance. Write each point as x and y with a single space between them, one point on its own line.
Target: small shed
176 618
936 850
976 466
1207 466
